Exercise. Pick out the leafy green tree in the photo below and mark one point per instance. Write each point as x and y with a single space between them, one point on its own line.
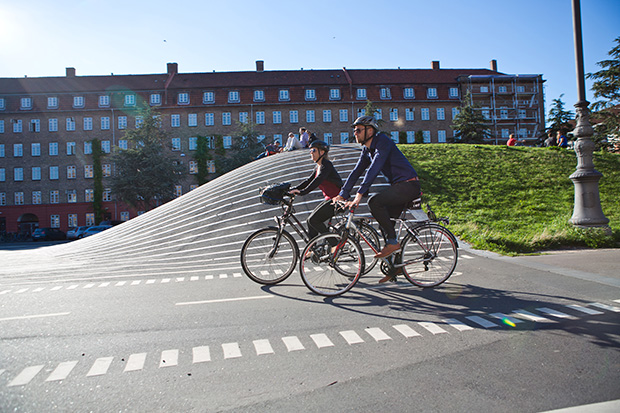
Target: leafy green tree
469 125
419 137
98 180
146 172
559 118
245 147
202 156
606 86
372 110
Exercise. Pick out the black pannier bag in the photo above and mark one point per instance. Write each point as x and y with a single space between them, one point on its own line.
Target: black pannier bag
274 193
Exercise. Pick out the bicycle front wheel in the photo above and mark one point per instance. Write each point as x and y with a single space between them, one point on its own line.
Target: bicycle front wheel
331 273
429 255
269 259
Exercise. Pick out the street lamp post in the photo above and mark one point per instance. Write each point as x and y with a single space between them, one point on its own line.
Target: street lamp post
587 211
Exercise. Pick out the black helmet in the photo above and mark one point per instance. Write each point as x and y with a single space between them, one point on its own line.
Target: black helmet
320 145
365 121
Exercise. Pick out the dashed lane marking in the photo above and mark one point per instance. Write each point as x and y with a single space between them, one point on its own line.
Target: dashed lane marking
26 317
460 326
432 328
263 347
62 371
406 331
351 337
231 350
293 343
100 366
25 376
225 300
321 340
201 354
135 362
169 358
481 321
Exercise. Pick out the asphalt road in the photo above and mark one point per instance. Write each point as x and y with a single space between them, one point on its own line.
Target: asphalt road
527 334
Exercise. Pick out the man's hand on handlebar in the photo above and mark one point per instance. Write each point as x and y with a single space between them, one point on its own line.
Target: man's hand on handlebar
293 192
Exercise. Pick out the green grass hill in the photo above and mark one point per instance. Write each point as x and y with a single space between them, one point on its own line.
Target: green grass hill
514 200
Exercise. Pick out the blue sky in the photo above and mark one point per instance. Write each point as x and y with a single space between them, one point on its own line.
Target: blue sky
97 37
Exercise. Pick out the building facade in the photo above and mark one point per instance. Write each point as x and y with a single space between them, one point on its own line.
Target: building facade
47 123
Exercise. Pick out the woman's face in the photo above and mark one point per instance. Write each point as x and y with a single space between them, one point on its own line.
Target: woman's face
315 154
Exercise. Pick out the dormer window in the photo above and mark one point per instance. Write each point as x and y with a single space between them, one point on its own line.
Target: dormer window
259 96
104 101
25 103
431 93
130 100
408 93
283 96
334 94
233 96
78 101
208 97
386 93
52 102
155 99
183 98
310 94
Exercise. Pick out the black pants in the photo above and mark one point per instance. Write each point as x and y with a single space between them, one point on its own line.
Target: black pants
390 202
317 219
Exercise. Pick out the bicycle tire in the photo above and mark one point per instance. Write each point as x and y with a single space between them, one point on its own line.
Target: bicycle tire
329 275
257 263
429 256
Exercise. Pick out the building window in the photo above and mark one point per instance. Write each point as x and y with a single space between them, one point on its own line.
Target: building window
18 150
106 147
2 104
293 116
71 172
53 173
178 191
193 167
208 97
176 144
328 138
2 155
139 121
18 174
277 117
53 146
441 136
410 136
243 117
454 92
72 220
386 93
505 133
394 136
343 115
70 124
522 114
122 122
90 218
54 197
183 98
105 123
55 221
155 99
2 175
277 138
35 125
431 93
37 198
35 149
410 114
426 135
19 198
226 118
2 198
310 116
344 137
211 166
89 171
503 113
209 119
25 103
441 114
130 100
334 94
393 114
104 101
425 114
72 196
88 147
361 93
192 119
455 112
310 94
78 101
227 142
520 89
106 169
327 115
1 126
88 123
408 93
89 195
124 216
259 96
52 125
193 143
123 144
175 121
70 148
486 113
17 126
52 102
260 118
233 96
484 89
379 114
502 89
283 95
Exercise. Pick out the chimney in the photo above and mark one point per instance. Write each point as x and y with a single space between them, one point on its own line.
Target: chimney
173 68
435 64
70 71
260 65
494 65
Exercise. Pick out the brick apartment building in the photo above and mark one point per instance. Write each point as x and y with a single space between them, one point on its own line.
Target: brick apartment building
47 123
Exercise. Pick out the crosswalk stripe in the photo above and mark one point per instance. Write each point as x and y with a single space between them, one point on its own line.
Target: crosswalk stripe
165 280
58 287
208 277
180 279
169 358
62 371
25 376
293 344
378 334
91 285
36 290
150 281
606 307
231 350
533 317
120 283
194 278
406 331
264 273
222 276
135 362
432 327
511 321
263 347
100 366
321 340
136 282
585 310
237 275
458 324
555 313
278 271
201 354
481 321
467 257
105 284
5 291
73 287
351 337
22 290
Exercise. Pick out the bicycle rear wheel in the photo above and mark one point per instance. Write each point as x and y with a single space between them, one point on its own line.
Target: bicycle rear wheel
331 274
429 256
264 261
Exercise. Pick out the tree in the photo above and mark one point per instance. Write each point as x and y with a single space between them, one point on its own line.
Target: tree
559 119
244 148
372 110
146 172
98 180
202 156
606 86
469 125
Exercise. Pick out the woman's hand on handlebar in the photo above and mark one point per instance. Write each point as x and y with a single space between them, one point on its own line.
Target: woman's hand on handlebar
293 192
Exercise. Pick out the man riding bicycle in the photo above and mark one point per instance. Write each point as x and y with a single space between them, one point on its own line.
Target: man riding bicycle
380 154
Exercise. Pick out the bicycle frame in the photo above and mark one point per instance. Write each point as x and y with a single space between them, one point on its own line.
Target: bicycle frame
288 217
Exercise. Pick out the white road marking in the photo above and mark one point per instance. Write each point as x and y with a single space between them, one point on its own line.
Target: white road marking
100 366
201 354
62 371
231 350
378 334
555 313
22 290
73 287
293 344
321 340
26 317
105 284
406 331
226 300
263 347
25 376
91 285
533 317
481 321
223 276
136 282
432 327
169 358
135 362
453 322
194 278
150 281
606 307
505 319
36 290
351 336
120 283
58 287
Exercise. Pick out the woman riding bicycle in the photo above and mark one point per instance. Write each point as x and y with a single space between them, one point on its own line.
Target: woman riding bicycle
326 178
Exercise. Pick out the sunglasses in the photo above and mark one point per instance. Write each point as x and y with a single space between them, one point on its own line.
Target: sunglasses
356 130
